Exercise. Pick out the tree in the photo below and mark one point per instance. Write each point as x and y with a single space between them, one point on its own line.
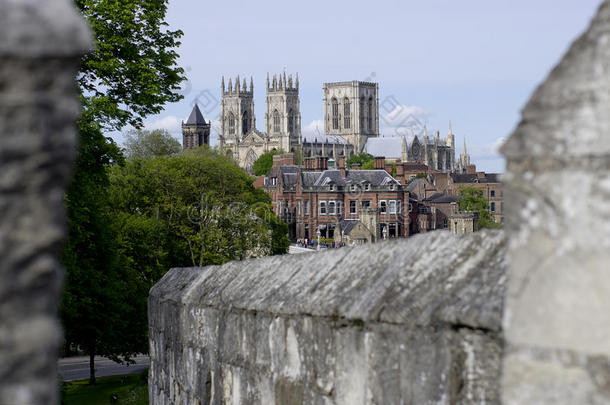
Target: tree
131 73
471 199
206 204
361 160
144 144
262 165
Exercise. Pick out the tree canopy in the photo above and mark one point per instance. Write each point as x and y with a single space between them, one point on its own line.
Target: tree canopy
471 199
142 144
262 165
362 159
131 74
133 71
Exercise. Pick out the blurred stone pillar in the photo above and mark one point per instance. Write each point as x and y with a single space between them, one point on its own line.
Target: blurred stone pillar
557 311
40 46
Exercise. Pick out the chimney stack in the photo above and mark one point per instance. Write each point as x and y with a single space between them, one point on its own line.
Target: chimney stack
380 162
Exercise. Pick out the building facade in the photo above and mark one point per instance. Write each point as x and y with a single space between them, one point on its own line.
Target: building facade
351 110
316 201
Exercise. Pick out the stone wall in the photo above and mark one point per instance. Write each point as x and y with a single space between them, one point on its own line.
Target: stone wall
413 321
557 320
40 45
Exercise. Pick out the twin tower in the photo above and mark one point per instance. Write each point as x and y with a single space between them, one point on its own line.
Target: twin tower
282 116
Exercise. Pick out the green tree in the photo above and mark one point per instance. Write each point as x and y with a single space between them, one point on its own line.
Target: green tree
471 199
262 165
131 73
144 144
361 159
206 205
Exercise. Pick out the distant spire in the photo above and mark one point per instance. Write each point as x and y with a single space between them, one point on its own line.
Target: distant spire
450 130
237 84
290 81
230 85
465 145
223 84
245 87
274 82
251 84
297 80
425 132
284 78
267 80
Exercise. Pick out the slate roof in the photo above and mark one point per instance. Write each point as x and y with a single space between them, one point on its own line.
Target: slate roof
347 225
196 118
473 178
441 198
376 178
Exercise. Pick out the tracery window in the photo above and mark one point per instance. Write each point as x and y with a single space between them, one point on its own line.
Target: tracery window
231 124
335 113
276 121
347 119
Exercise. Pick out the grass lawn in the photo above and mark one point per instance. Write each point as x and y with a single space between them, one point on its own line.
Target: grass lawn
129 389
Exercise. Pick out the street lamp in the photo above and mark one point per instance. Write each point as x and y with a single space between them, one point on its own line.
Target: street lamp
318 234
385 232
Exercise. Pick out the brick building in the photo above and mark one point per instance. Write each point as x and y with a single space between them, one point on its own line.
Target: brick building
312 198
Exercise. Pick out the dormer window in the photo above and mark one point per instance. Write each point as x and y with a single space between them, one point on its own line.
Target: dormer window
391 187
367 187
352 187
332 187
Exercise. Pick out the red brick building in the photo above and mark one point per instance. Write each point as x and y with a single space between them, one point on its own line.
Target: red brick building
312 198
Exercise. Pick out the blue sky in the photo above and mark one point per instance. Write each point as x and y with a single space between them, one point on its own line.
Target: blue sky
473 62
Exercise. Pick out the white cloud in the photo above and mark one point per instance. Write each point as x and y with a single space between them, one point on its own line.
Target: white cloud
489 150
401 120
171 123
314 128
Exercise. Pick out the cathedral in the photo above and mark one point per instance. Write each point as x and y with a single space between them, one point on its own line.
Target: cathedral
351 126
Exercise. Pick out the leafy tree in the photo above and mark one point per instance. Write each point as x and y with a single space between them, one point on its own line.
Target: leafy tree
144 144
263 164
131 73
368 165
206 205
361 159
471 199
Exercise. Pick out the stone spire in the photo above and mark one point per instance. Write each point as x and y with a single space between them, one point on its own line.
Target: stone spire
284 79
274 82
297 80
230 89
237 89
290 81
267 80
404 153
464 152
245 87
222 86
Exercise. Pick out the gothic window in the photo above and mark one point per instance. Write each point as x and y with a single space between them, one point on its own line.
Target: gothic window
362 110
369 115
290 122
276 121
347 113
231 124
245 123
335 112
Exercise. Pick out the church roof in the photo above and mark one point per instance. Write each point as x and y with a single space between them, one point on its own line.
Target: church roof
196 118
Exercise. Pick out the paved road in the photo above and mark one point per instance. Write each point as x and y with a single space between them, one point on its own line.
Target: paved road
77 368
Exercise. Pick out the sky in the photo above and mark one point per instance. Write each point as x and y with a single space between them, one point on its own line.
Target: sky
472 62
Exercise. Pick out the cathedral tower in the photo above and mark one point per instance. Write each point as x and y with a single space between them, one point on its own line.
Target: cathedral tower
236 112
283 115
351 110
195 131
